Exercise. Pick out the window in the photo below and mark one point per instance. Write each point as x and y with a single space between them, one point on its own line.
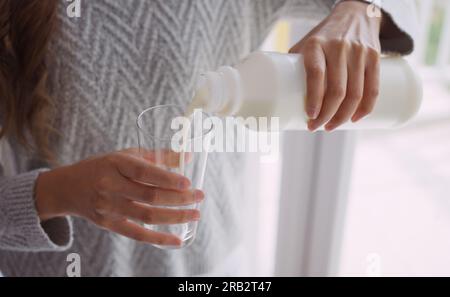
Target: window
379 205
398 213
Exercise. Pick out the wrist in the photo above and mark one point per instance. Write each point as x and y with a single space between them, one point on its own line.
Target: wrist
369 10
48 195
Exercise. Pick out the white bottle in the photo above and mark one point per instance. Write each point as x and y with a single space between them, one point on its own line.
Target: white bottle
268 84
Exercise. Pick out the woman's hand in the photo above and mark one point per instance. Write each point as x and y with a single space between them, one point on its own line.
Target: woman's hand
104 190
342 63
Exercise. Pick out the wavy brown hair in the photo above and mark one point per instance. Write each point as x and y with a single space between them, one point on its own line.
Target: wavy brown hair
26 109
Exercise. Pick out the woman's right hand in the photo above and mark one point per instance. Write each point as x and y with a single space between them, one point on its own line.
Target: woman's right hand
104 190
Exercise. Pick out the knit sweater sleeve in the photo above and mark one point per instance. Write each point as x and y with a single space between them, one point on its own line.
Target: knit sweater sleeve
20 226
301 9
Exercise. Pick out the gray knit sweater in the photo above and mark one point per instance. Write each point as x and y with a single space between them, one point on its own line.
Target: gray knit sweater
120 57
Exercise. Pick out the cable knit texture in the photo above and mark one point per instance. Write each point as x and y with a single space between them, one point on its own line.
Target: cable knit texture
120 57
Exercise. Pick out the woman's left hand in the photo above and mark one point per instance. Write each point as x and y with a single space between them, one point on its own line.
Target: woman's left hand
342 64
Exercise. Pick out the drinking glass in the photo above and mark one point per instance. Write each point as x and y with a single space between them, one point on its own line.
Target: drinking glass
161 131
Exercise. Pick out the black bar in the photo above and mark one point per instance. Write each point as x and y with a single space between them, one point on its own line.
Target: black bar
195 286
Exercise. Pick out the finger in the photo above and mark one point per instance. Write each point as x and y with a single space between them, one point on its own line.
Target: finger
336 84
164 157
156 196
151 215
355 89
168 158
141 234
138 170
371 86
315 65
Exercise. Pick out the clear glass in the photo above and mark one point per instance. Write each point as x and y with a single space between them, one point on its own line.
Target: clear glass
158 128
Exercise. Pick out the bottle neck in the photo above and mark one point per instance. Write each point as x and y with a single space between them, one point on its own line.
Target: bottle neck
220 91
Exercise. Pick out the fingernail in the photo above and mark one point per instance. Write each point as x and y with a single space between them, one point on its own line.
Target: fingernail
184 184
312 113
330 127
175 241
311 126
199 195
196 216
355 118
